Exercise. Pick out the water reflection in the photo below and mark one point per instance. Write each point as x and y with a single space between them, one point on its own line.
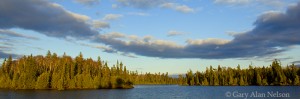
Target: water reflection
153 92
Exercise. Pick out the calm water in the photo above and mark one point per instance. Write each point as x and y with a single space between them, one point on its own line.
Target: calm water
161 92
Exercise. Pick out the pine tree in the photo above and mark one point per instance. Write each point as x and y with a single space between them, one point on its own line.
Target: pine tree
216 79
241 81
190 77
258 80
43 81
205 82
181 80
296 81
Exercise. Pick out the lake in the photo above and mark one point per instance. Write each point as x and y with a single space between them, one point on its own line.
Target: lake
161 92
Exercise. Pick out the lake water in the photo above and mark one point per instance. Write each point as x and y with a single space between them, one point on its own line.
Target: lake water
162 92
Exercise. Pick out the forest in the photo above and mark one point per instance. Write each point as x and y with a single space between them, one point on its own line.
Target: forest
64 72
273 75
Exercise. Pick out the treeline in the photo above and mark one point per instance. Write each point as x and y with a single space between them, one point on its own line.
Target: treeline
258 76
156 78
64 72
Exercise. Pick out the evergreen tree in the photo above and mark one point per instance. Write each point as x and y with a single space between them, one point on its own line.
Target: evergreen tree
296 81
241 81
205 82
273 75
258 80
43 81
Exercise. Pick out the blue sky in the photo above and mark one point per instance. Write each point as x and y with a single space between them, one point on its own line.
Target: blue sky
155 35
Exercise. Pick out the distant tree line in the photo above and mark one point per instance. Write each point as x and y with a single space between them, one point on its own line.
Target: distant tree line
275 74
64 72
156 78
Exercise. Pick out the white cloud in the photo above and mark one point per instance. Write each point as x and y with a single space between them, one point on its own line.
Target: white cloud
102 23
79 17
115 35
98 24
139 13
88 2
109 17
178 7
15 34
272 3
114 6
208 41
232 1
145 4
184 9
142 4
50 19
235 33
129 55
104 48
276 3
168 5
270 15
174 33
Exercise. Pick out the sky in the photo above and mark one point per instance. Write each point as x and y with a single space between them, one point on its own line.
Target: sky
155 35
